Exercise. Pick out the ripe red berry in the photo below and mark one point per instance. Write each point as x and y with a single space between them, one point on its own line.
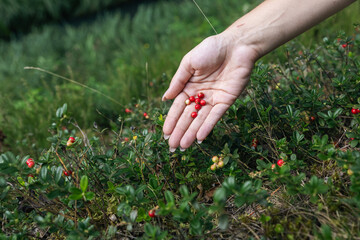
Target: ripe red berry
357 110
30 175
126 139
197 106
70 141
280 162
202 102
201 95
68 173
151 213
194 114
354 111
273 166
344 45
197 100
312 118
145 114
127 110
192 99
30 162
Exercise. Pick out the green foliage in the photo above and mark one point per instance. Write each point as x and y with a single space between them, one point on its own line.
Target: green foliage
297 110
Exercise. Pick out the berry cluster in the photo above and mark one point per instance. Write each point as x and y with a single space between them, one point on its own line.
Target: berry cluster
199 102
218 162
355 111
30 162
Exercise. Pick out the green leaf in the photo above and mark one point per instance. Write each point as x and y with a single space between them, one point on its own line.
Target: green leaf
169 197
223 221
43 172
133 215
58 174
84 183
75 190
89 196
184 191
220 195
75 196
353 143
337 112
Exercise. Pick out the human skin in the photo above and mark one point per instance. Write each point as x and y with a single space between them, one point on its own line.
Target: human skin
221 65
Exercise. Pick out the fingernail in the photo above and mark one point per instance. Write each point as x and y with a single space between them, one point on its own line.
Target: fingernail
182 149
199 142
163 97
166 137
172 149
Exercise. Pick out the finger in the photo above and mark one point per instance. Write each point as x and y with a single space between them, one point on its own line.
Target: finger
190 134
181 127
174 113
178 82
214 116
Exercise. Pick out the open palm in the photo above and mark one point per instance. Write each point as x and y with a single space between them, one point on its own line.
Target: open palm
215 68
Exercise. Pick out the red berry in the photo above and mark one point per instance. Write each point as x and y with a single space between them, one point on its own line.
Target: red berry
71 139
126 139
194 114
351 139
128 110
344 45
202 102
145 114
30 175
201 95
192 99
273 166
68 173
354 111
197 100
30 162
357 110
197 106
151 213
312 118
280 162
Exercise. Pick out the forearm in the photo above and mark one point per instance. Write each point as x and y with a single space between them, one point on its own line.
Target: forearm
275 22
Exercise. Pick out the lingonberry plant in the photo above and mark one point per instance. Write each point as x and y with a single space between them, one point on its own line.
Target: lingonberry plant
283 163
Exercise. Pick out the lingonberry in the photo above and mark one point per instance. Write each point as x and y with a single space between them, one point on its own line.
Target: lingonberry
194 114
145 114
187 101
344 45
151 213
201 95
70 141
354 111
213 167
128 110
126 139
202 102
197 106
312 118
280 162
197 100
215 159
30 175
192 99
68 173
220 164
273 166
357 110
30 162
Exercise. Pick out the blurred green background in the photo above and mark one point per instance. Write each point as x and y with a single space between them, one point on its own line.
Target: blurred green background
105 44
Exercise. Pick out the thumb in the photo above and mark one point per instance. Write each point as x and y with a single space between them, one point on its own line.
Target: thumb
178 82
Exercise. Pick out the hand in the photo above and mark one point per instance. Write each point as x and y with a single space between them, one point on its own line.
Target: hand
218 67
